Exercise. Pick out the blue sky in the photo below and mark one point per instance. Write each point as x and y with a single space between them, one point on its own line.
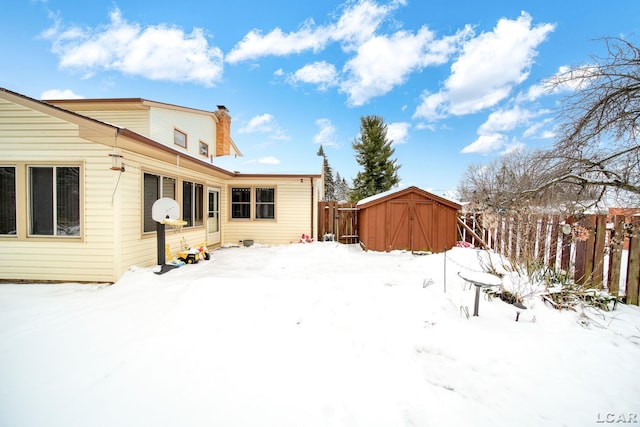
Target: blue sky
456 82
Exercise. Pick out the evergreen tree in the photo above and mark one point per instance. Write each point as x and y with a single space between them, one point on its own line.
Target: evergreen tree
342 188
373 153
329 184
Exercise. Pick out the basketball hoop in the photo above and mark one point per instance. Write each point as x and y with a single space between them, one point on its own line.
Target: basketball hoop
165 211
175 224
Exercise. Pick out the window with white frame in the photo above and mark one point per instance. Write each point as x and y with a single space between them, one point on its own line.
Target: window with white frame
154 188
8 196
54 200
192 203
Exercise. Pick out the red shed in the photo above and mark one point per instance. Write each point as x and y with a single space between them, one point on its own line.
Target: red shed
408 219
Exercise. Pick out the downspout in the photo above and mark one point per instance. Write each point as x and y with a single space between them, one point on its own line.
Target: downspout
116 206
311 180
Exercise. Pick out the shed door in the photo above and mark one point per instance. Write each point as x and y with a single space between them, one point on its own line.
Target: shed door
422 227
410 226
398 226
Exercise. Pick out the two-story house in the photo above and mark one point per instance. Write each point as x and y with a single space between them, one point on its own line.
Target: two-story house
78 179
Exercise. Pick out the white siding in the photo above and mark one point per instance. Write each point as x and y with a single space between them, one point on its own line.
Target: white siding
198 127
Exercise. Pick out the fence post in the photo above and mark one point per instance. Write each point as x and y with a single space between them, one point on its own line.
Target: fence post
598 251
615 255
633 266
589 250
553 242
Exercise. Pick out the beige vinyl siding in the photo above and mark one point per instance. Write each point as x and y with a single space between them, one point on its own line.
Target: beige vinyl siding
112 238
292 211
139 248
128 114
135 120
27 138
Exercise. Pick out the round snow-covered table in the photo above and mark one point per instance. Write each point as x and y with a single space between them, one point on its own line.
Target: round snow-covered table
479 280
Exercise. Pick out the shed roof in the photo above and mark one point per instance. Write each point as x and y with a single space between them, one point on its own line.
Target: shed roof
394 193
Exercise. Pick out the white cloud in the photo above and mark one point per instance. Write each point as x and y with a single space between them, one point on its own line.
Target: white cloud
377 63
536 129
398 132
505 120
492 133
264 123
60 94
269 160
426 126
383 62
565 80
357 23
278 43
159 52
326 134
485 144
513 147
320 73
488 68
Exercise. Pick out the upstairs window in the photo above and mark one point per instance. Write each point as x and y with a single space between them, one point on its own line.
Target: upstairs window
204 149
180 138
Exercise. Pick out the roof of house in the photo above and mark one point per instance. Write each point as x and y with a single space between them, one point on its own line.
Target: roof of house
80 104
121 131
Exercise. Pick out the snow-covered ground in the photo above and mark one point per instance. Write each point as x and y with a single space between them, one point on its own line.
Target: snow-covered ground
309 335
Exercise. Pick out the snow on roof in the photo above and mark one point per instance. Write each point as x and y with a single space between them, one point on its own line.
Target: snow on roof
397 190
378 196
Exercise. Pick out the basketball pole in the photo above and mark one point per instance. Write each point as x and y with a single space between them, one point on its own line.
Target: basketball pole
161 243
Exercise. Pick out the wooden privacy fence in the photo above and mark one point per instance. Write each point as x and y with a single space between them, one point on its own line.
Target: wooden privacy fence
598 251
338 221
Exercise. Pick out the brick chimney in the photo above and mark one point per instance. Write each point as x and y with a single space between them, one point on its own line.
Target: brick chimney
223 131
